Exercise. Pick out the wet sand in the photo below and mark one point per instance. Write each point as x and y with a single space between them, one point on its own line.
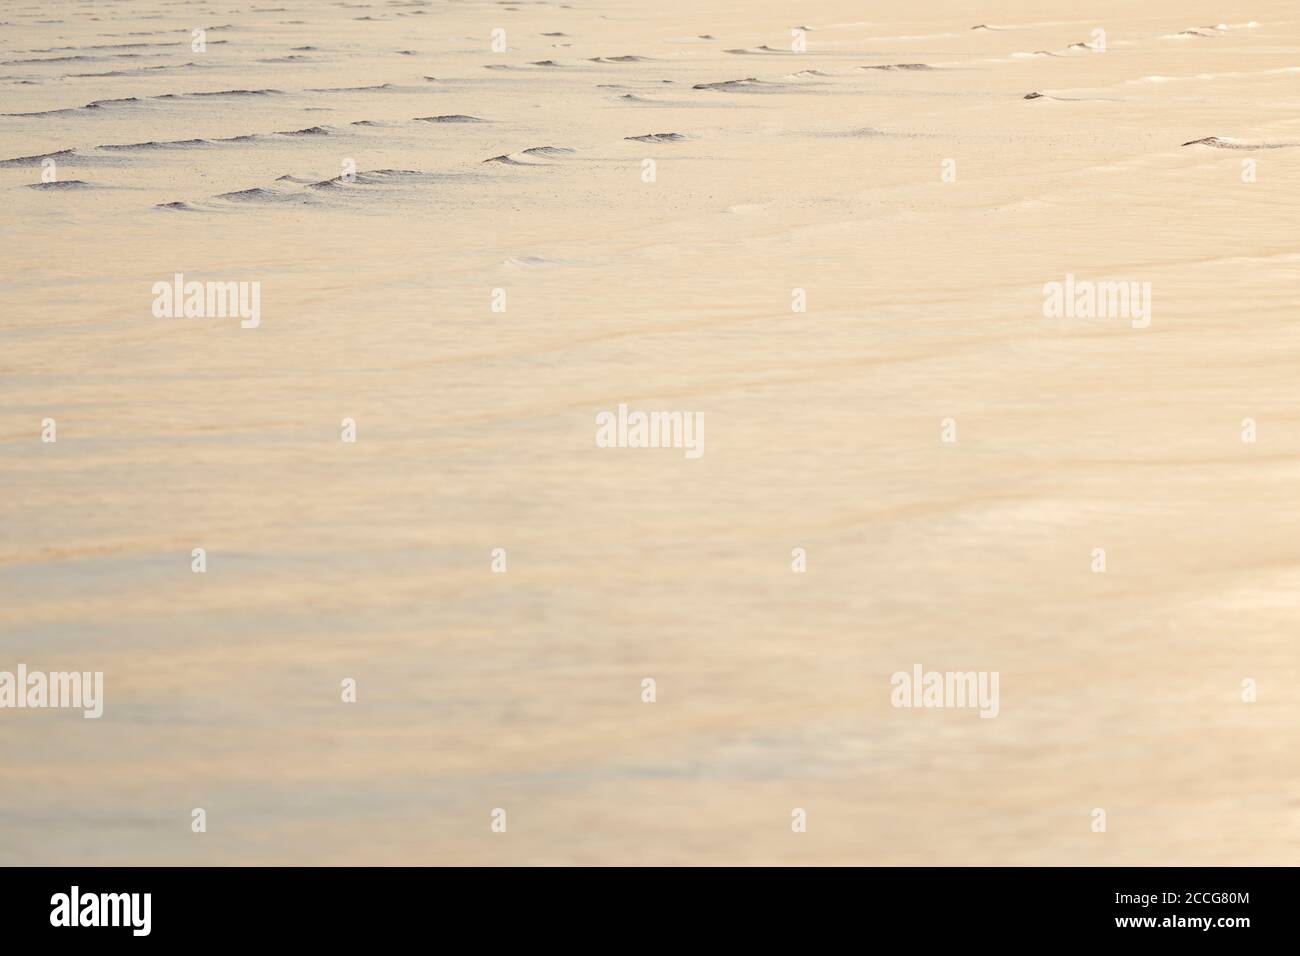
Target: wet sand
774 170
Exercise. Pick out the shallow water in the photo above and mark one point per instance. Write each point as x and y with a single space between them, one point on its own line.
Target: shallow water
812 170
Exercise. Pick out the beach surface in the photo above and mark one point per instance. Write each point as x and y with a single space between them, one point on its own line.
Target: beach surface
824 227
